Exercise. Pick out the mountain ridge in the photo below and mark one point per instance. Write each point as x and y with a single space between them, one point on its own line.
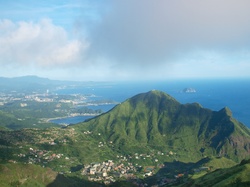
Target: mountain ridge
237 175
156 118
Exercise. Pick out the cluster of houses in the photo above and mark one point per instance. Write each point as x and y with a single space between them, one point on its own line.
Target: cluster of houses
87 132
40 156
108 171
76 99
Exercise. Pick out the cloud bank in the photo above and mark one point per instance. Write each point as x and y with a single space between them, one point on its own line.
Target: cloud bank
158 32
131 39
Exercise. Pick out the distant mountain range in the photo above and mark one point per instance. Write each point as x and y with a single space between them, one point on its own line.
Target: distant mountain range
32 83
26 84
26 79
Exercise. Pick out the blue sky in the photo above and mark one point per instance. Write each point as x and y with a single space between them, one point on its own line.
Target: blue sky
125 40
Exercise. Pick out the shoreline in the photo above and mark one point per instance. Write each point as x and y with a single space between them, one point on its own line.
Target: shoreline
48 120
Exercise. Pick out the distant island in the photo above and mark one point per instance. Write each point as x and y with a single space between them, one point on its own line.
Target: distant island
189 90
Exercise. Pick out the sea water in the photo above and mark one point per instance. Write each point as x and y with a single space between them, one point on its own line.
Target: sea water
212 94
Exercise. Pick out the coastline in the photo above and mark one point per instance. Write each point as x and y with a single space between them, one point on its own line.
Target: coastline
48 120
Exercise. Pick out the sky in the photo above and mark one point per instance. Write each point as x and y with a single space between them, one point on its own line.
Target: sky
105 40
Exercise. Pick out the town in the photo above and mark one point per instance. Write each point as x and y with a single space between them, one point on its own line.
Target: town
36 110
122 167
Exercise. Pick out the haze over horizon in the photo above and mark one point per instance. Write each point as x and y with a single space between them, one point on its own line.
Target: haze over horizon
125 40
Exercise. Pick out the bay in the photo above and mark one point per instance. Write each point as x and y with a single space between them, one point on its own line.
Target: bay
70 120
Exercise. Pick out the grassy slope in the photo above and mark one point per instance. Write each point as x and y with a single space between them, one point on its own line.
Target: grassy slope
25 175
10 121
221 162
7 119
155 120
234 176
30 175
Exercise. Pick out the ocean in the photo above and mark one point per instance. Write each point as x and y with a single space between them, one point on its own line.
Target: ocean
212 94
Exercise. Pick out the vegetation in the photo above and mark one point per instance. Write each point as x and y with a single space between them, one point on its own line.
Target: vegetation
25 175
14 174
148 132
12 121
234 176
156 121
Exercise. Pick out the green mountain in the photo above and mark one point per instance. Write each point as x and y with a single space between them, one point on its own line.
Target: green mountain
148 132
155 120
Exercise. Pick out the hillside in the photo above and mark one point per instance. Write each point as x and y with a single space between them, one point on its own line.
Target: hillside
148 132
11 120
22 175
7 120
155 120
233 176
16 174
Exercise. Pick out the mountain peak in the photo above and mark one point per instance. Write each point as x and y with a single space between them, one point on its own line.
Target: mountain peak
226 111
155 93
158 93
156 118
154 99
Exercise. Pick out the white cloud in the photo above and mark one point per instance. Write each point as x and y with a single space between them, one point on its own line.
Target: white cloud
40 44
